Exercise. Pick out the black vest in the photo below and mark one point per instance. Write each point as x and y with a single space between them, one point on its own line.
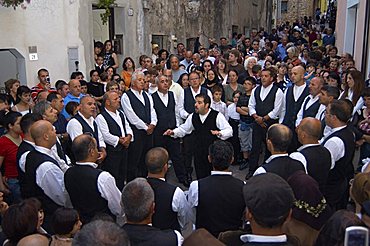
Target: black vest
145 235
344 165
318 163
202 131
33 161
221 195
312 110
165 115
86 128
81 182
141 110
292 107
283 166
266 106
189 100
164 217
23 148
114 129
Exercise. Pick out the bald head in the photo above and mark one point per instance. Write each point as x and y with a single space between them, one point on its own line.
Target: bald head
298 75
34 240
311 127
43 133
280 137
75 87
155 159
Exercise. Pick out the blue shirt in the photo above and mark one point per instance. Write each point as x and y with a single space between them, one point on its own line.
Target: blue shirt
281 51
70 98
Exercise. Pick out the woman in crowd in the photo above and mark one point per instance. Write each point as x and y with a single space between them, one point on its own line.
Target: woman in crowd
207 65
222 70
232 86
353 88
293 53
281 80
24 103
128 66
248 65
66 223
110 72
11 87
110 57
184 80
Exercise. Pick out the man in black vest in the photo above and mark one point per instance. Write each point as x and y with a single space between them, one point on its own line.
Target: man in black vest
315 157
166 107
186 107
138 206
84 122
311 103
341 145
138 107
327 95
43 176
171 206
48 113
269 201
207 125
117 135
92 191
264 106
217 200
26 146
293 99
277 140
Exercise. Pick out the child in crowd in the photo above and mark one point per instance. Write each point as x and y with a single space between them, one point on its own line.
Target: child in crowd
83 87
72 108
217 104
245 126
234 118
66 223
99 66
310 72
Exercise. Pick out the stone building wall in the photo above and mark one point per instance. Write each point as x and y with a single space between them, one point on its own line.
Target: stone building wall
297 9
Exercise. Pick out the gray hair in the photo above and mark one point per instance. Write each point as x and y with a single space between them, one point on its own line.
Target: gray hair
135 75
137 199
41 107
248 60
157 79
101 232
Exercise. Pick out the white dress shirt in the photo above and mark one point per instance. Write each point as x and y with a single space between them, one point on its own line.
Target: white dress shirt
74 129
359 103
130 113
220 107
164 99
50 178
221 123
309 103
184 115
263 239
275 113
176 89
335 146
299 156
231 112
297 92
108 189
104 128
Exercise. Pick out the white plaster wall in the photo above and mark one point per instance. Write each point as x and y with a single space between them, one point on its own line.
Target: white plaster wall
52 26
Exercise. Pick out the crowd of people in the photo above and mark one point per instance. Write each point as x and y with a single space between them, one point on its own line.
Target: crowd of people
85 162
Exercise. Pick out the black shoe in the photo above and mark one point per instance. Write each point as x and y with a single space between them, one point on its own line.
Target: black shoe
248 176
244 165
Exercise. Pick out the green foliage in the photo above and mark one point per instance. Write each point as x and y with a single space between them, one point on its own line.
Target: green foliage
105 4
13 3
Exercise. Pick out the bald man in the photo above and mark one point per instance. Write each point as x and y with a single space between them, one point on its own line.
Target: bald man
277 140
34 240
293 99
315 157
43 176
74 95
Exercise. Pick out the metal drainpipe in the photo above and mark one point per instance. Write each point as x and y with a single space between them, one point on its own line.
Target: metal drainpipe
365 45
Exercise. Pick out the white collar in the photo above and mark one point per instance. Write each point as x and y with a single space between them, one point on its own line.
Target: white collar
263 239
275 156
221 173
306 146
92 164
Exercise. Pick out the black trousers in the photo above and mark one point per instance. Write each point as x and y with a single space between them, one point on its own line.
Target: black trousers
116 164
234 140
172 145
188 152
202 166
136 154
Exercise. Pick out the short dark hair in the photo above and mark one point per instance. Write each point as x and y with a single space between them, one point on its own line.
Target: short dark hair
92 72
63 220
271 70
251 79
71 106
41 70
28 120
59 84
52 96
280 137
101 232
216 88
81 147
9 118
206 98
75 74
341 110
331 91
83 82
98 44
221 154
366 92
155 159
20 91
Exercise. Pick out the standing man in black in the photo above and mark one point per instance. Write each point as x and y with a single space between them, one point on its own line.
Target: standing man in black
92 191
166 108
341 145
117 135
219 194
171 206
207 125
138 107
264 106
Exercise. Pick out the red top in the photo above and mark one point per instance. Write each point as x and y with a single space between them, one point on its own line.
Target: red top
8 150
